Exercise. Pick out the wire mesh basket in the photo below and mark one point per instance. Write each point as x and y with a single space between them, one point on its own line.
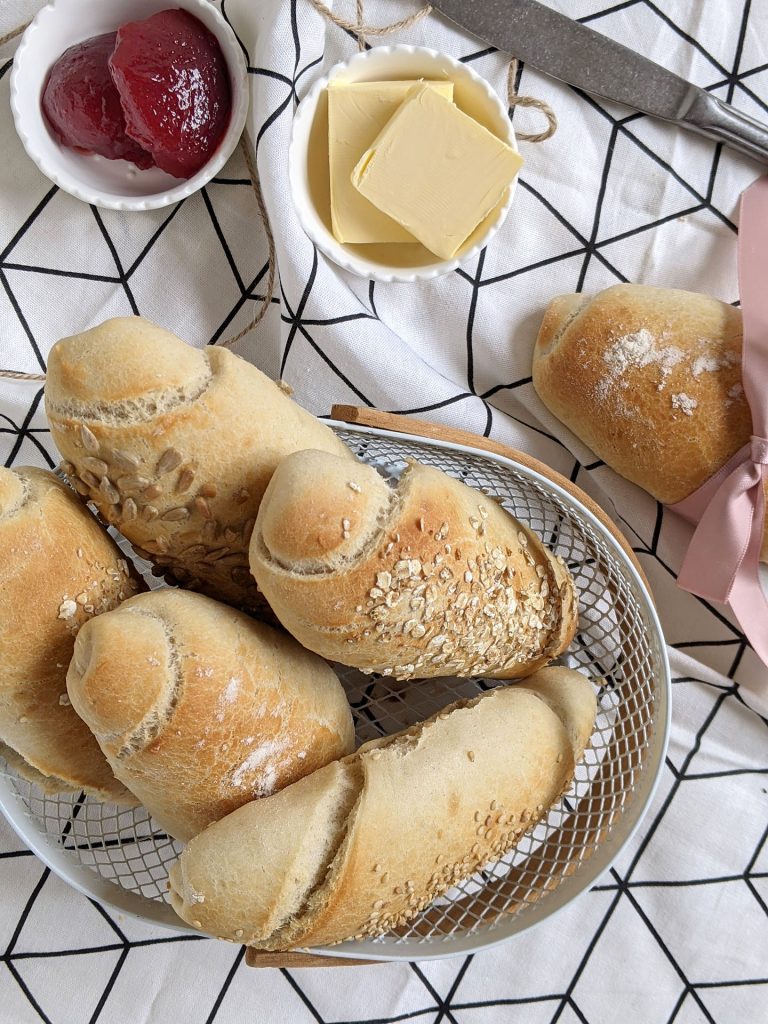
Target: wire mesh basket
120 858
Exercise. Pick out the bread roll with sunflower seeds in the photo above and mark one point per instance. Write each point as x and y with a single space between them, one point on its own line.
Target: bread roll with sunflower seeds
425 578
174 445
58 569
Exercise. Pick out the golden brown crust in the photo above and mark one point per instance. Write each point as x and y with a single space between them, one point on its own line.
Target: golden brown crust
650 380
217 709
59 569
402 820
430 578
175 446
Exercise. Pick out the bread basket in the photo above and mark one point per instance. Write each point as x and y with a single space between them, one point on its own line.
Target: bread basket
120 859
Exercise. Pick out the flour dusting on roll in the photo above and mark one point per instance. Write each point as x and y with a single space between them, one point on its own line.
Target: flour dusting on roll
199 708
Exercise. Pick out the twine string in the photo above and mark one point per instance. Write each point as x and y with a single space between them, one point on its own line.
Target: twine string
14 33
361 31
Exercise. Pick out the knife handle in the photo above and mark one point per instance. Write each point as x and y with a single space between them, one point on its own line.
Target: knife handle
709 116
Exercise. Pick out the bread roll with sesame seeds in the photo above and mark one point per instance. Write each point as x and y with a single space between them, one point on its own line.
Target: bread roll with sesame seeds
174 445
216 710
649 379
425 578
362 845
58 569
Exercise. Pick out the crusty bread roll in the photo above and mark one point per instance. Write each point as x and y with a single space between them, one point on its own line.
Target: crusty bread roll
174 445
364 844
650 380
58 568
429 578
214 710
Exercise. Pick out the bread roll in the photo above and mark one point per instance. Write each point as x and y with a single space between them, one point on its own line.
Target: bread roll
174 445
650 380
216 709
429 578
364 844
58 568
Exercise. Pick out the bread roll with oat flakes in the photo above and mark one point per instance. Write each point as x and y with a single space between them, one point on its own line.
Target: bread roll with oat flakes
425 578
174 445
362 845
650 380
217 709
58 569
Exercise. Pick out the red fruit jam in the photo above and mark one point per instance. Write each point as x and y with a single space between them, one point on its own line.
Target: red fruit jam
83 106
174 88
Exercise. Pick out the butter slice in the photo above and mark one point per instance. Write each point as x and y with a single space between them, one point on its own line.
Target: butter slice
357 112
436 171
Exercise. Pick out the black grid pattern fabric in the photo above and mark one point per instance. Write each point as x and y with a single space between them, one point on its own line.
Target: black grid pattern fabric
677 931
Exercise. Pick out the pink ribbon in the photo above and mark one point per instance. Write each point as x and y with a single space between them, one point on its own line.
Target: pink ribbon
723 558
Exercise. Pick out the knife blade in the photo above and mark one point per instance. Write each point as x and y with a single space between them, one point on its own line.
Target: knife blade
576 54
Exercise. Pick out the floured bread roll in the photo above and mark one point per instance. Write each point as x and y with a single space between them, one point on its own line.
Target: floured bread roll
650 380
200 709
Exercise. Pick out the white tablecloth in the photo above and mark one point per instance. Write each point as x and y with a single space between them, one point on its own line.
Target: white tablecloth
678 930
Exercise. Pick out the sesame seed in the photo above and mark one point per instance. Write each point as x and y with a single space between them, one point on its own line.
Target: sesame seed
471 756
354 487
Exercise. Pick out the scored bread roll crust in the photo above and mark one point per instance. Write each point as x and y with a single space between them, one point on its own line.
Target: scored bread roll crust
426 578
649 379
58 569
216 709
174 445
362 845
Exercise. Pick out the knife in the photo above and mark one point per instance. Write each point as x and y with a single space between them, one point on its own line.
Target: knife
588 60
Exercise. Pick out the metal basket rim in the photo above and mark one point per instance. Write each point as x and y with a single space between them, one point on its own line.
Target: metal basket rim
111 894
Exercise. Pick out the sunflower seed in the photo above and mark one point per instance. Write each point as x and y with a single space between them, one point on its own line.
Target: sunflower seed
153 491
80 486
169 460
127 463
175 515
209 490
132 482
89 439
109 491
203 507
96 466
89 479
130 511
186 476
149 513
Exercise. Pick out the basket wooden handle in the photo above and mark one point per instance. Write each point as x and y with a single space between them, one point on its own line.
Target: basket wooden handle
258 958
366 417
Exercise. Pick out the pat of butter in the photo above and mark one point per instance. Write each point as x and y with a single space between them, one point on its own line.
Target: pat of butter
436 171
357 112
